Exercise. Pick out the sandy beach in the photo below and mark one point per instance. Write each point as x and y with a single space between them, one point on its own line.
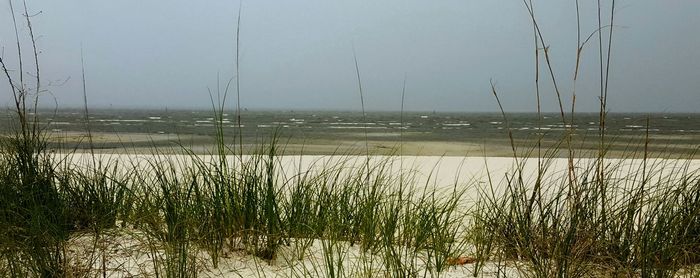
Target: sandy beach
128 254
432 170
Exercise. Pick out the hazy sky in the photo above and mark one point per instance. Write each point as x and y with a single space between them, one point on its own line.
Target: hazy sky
299 54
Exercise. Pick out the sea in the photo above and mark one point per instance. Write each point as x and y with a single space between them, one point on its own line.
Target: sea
661 128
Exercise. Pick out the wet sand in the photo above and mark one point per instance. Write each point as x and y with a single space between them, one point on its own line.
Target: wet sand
144 143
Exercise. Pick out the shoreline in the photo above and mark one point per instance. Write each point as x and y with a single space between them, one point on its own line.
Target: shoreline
144 143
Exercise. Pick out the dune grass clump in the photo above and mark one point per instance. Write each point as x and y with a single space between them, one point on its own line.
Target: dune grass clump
98 197
634 216
647 227
34 214
185 206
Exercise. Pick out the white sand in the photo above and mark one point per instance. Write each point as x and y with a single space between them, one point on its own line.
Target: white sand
128 255
440 172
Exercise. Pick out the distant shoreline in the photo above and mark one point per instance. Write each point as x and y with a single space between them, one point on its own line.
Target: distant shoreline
142 143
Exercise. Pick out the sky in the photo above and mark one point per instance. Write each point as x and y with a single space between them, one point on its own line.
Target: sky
298 55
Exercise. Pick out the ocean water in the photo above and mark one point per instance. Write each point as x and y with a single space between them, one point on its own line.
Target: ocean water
677 129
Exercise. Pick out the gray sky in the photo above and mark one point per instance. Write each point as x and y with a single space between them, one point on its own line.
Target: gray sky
298 54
